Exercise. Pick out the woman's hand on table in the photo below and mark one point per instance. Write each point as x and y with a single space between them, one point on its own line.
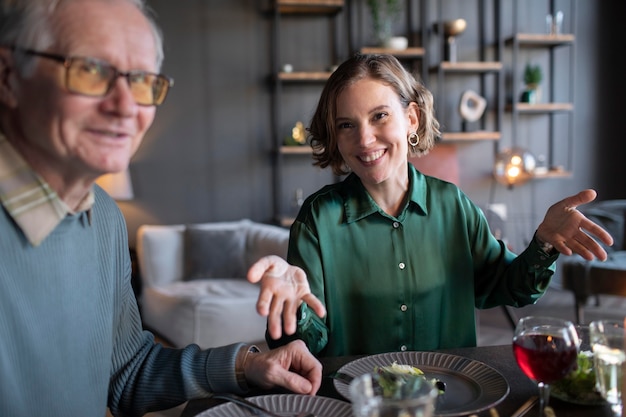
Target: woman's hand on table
569 231
291 366
283 288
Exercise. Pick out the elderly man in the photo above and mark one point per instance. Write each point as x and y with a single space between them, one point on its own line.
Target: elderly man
79 88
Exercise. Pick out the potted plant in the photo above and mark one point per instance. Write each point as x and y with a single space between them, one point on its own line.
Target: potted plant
384 13
532 78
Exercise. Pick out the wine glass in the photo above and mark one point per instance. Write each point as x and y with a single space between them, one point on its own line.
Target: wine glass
546 350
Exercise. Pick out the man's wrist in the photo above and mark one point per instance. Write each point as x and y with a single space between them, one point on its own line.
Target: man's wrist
240 364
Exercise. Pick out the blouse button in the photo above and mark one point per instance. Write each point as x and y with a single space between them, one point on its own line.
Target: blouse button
401 265
396 225
403 348
404 307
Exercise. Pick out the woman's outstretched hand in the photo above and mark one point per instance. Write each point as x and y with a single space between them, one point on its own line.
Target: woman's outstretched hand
569 231
283 288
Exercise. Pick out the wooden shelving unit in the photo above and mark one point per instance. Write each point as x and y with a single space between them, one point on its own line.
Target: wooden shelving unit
476 67
537 40
553 173
303 76
486 69
308 6
543 108
280 10
295 150
538 43
470 136
408 53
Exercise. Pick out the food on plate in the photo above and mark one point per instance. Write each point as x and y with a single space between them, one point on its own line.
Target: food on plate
397 379
579 386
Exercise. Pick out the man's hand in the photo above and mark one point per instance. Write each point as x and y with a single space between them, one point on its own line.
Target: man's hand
569 231
291 366
283 288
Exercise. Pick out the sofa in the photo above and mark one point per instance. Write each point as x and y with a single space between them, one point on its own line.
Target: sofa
193 280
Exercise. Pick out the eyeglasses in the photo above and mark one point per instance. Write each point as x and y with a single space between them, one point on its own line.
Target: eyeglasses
94 77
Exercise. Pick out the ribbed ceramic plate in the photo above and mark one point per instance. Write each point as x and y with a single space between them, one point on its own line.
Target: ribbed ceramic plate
471 386
285 404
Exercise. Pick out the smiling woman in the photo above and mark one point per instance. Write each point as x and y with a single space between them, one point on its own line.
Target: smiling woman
389 245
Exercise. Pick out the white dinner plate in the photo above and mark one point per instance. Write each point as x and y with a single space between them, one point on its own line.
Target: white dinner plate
471 386
284 404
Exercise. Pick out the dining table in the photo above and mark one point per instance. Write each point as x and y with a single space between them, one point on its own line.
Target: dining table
500 358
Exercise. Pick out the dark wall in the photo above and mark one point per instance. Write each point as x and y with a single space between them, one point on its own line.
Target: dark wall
207 157
608 116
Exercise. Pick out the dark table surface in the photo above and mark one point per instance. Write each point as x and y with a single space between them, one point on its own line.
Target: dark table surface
498 357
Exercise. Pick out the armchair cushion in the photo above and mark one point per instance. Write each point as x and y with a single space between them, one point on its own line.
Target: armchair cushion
213 253
194 287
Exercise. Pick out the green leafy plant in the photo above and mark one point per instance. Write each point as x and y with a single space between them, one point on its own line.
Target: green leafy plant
383 13
532 75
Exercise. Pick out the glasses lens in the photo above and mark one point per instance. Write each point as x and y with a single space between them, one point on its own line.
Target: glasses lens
148 88
161 87
89 76
92 77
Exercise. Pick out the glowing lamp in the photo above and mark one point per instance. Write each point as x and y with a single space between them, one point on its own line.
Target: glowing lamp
514 166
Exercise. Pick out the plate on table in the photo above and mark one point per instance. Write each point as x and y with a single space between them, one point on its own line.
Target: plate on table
471 386
287 404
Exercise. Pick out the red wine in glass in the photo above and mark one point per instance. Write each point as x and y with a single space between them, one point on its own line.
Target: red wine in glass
544 358
546 350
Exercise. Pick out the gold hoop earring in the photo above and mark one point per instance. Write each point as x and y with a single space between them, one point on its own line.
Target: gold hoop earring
414 140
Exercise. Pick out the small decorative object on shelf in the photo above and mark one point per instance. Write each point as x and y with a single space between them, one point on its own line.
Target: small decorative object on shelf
298 135
397 43
452 29
514 166
472 106
532 78
554 24
384 13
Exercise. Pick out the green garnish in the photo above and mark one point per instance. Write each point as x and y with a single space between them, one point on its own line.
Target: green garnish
580 384
398 380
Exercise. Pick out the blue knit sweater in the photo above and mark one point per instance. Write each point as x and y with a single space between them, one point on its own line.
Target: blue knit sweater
71 341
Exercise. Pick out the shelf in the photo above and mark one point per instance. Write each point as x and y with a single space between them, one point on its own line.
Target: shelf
295 150
471 67
553 173
304 76
542 108
470 136
412 52
541 40
309 6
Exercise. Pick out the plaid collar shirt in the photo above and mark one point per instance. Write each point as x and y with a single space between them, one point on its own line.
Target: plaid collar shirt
34 206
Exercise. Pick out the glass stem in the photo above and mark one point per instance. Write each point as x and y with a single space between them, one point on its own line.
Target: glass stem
544 397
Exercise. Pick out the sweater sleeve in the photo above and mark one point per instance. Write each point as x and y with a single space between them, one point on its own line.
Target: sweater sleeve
145 376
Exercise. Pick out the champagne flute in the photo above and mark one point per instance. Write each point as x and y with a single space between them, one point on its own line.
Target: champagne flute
546 350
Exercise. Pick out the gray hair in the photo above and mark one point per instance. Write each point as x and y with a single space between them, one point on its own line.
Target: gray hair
26 23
